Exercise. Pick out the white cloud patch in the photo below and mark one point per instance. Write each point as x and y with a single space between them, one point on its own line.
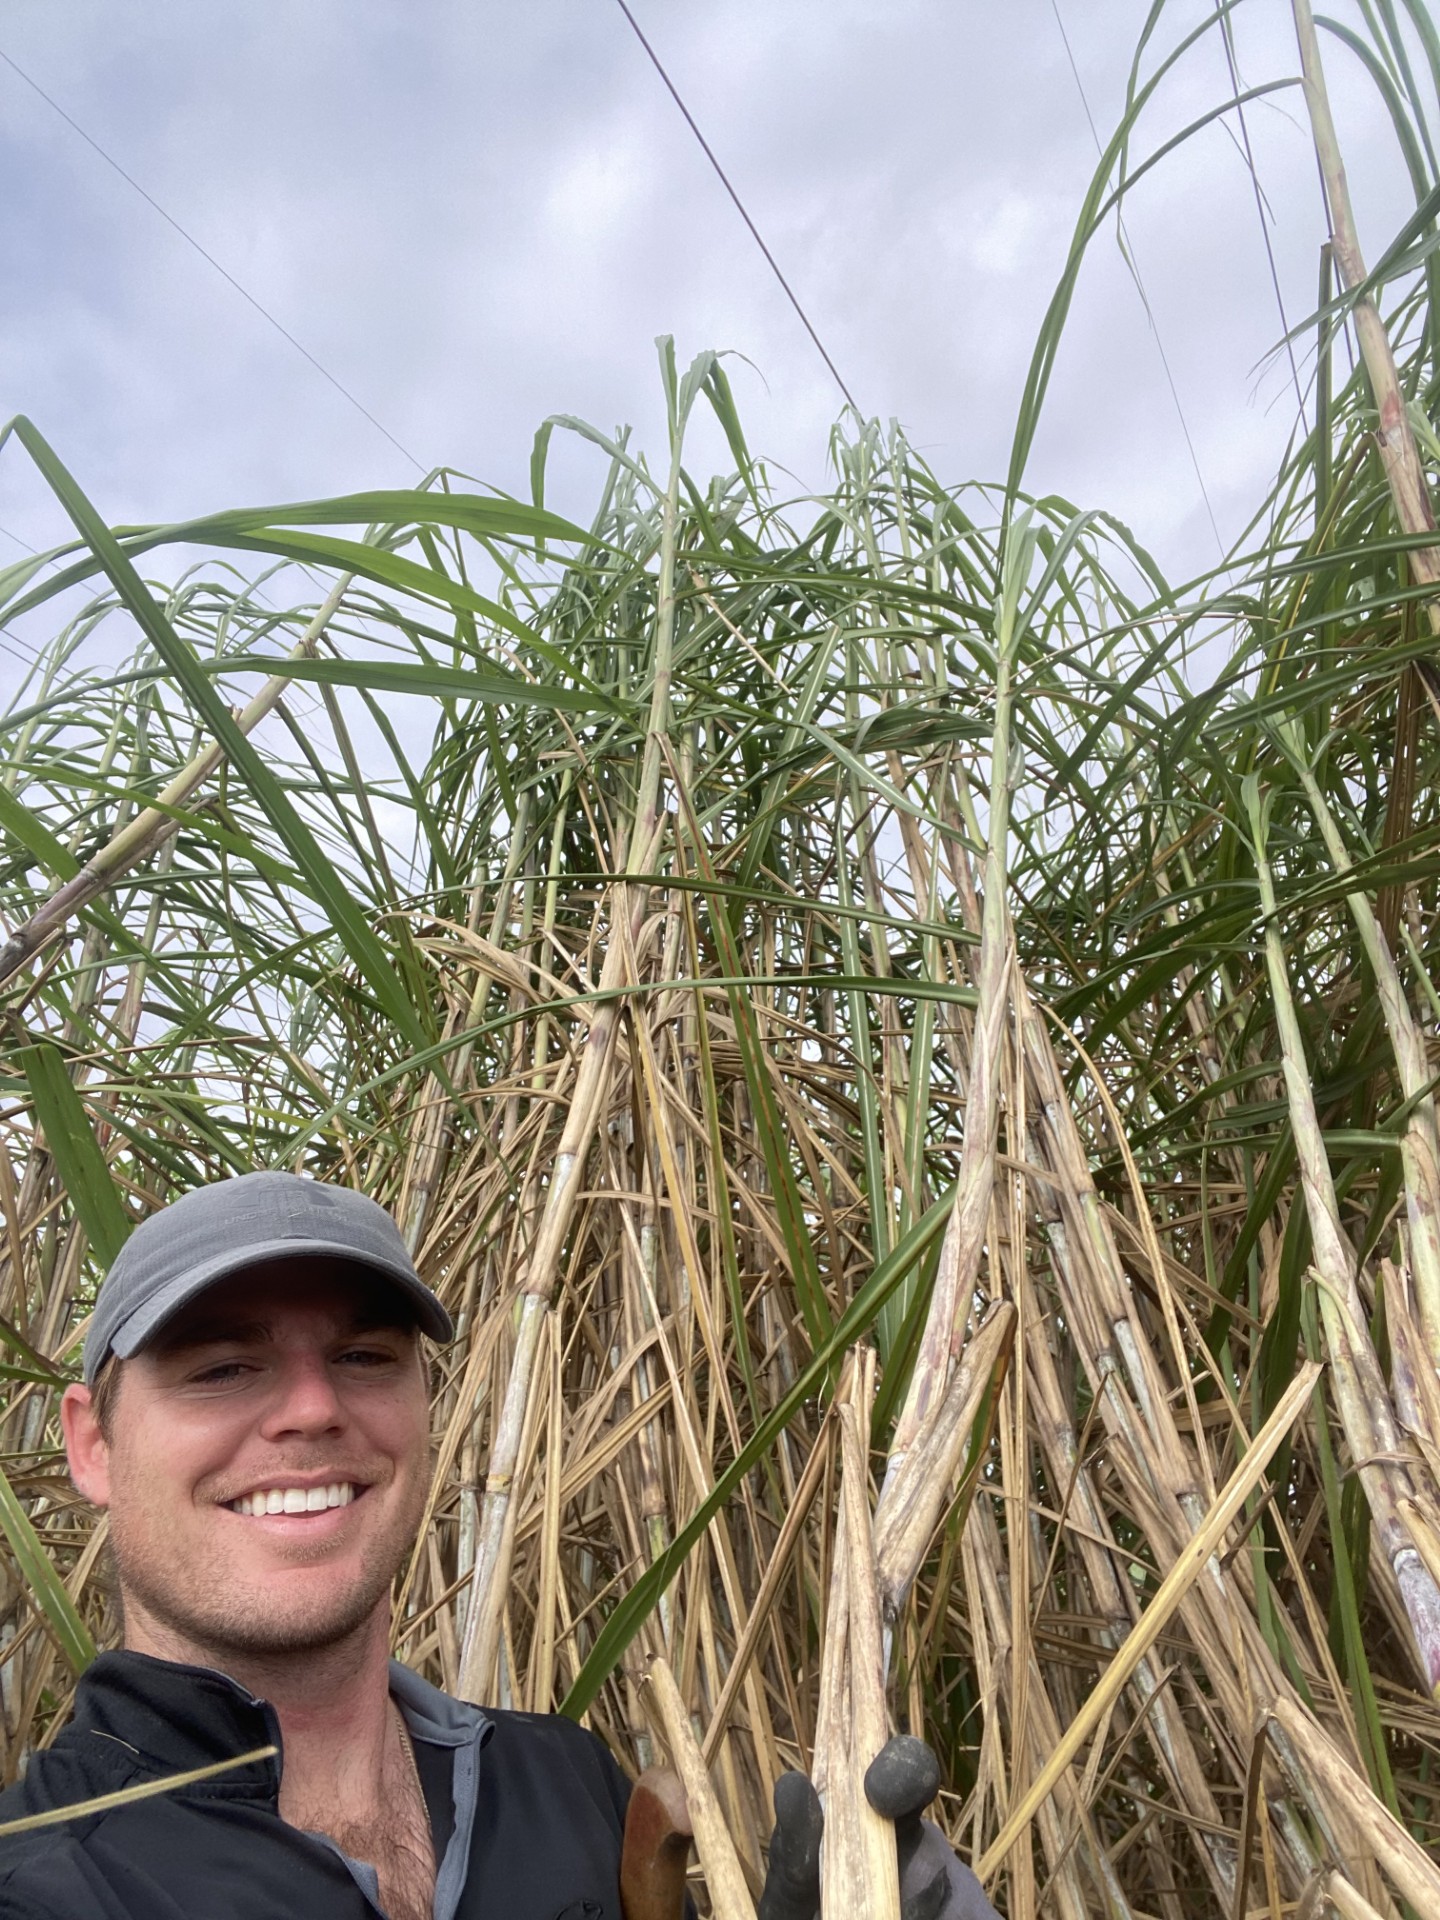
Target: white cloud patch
1002 238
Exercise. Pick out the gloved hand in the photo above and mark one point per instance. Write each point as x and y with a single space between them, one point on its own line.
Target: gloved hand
792 1876
900 1782
935 1883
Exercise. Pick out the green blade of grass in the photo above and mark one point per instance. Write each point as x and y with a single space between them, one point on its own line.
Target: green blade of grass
314 870
72 1144
44 1585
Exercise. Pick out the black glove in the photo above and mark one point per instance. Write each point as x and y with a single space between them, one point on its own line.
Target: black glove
792 1878
935 1883
900 1783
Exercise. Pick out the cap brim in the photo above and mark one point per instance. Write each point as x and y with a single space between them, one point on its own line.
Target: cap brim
142 1325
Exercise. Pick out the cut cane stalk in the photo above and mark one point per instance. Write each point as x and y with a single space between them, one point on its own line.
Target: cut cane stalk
858 1871
729 1895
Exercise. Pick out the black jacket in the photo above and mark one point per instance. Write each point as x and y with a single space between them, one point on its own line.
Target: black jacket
528 1811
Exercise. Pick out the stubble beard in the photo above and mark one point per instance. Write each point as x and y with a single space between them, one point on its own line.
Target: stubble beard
209 1609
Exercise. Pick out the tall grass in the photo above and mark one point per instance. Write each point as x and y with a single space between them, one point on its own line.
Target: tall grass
805 974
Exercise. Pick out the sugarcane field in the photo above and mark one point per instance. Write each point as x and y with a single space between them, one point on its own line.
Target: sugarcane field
903 1040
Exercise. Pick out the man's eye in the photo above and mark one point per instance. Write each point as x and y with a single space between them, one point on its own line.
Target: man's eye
367 1357
218 1375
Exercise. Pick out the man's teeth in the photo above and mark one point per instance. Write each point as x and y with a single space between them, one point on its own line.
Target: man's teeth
295 1499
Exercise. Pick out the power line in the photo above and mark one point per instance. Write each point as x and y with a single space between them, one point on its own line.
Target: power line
739 203
224 272
1227 35
22 649
1134 265
27 656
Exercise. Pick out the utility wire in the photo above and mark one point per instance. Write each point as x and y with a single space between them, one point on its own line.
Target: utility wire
26 655
1227 34
739 203
22 649
224 272
1134 265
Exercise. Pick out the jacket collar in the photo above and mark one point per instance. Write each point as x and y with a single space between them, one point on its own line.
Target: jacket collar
435 1716
176 1717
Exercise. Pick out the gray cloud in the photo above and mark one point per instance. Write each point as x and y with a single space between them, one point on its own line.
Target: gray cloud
476 215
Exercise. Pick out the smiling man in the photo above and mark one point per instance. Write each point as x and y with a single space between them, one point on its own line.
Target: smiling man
254 1421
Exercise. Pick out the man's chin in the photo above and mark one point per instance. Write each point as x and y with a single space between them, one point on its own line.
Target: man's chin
261 1630
293 1611
281 1637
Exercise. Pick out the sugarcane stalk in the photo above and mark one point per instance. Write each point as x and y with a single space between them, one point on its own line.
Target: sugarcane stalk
1401 460
592 1082
762 1617
1034 1732
1371 1429
1188 1566
1144 1443
152 827
1420 1142
869 1852
729 1895
690 1449
1114 1598
1345 1899
542 1656
1417 1387
969 1220
425 1161
1330 1784
921 1486
639 1310
858 1870
835 1770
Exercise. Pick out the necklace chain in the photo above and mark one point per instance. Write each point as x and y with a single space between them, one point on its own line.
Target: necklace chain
408 1748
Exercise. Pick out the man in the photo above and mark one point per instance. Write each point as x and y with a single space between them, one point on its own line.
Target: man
254 1421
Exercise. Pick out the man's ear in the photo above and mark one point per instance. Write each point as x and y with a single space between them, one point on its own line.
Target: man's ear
86 1447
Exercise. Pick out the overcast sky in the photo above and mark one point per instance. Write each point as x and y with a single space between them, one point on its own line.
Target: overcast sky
475 213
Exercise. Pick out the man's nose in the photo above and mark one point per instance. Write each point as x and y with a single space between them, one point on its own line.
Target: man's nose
305 1399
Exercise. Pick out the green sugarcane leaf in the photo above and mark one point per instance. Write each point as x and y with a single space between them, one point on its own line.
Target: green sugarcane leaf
486 516
74 1149
485 682
44 847
36 1366
42 1582
318 873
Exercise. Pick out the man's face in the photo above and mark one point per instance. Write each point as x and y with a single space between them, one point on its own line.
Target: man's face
289 1380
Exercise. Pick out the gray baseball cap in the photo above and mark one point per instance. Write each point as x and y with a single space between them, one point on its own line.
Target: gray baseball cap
215 1231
